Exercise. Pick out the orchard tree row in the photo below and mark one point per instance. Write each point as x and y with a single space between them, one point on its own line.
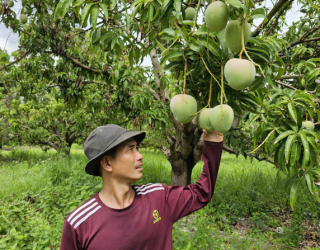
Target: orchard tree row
244 69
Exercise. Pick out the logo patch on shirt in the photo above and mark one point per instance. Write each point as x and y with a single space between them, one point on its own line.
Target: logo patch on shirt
156 216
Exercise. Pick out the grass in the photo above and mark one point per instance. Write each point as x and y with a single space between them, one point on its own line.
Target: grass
249 204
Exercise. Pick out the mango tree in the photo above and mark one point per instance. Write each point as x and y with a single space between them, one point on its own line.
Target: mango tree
278 70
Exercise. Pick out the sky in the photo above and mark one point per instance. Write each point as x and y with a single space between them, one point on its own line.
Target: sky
10 41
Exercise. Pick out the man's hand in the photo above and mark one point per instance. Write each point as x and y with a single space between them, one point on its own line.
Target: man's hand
214 136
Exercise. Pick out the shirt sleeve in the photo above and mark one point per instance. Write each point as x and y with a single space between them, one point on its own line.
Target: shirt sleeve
183 201
69 239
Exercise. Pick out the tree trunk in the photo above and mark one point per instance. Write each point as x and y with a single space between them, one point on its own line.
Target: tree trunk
181 172
185 150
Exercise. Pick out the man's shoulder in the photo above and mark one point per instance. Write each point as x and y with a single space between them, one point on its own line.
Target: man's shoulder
83 212
150 188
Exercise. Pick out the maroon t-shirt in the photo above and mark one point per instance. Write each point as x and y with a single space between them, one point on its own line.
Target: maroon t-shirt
147 222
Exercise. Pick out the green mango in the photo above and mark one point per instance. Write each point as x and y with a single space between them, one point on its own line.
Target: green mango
183 107
216 16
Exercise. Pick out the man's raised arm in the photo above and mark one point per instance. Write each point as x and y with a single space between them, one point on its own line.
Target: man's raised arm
183 201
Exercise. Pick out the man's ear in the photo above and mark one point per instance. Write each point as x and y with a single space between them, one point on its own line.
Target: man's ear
106 163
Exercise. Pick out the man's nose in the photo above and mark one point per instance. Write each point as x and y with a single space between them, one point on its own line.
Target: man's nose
140 156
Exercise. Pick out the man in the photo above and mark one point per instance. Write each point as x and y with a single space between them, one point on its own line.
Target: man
123 216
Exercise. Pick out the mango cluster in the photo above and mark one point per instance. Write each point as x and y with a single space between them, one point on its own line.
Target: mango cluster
239 73
184 108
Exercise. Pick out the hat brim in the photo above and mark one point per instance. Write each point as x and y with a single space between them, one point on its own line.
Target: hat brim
93 164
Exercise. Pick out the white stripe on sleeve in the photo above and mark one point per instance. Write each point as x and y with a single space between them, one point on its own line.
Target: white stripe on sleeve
151 190
86 217
150 186
79 208
84 211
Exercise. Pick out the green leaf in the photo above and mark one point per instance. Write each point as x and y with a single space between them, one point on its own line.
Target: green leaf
306 152
131 58
96 35
177 7
57 10
165 5
170 56
293 192
85 13
168 31
289 181
135 10
261 81
306 98
313 143
105 10
315 171
291 124
136 2
150 13
161 47
114 41
283 135
254 40
258 16
203 30
281 159
305 106
299 117
94 12
64 8
293 111
310 180
259 11
113 3
262 56
172 64
295 153
78 3
287 151
312 157
312 75
187 22
282 68
213 46
236 3
185 34
257 135
311 132
196 46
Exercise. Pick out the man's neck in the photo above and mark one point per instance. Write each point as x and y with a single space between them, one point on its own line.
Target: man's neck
115 195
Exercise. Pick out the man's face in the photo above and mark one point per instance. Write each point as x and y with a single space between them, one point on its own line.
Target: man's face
128 159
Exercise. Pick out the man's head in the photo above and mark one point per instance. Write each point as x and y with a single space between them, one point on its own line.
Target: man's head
122 163
108 142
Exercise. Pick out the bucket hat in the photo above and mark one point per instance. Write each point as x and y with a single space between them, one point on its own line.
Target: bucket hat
103 139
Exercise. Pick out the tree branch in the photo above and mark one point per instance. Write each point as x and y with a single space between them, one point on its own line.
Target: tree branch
287 86
272 12
158 71
231 151
74 60
154 93
303 41
94 81
276 21
294 77
18 60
